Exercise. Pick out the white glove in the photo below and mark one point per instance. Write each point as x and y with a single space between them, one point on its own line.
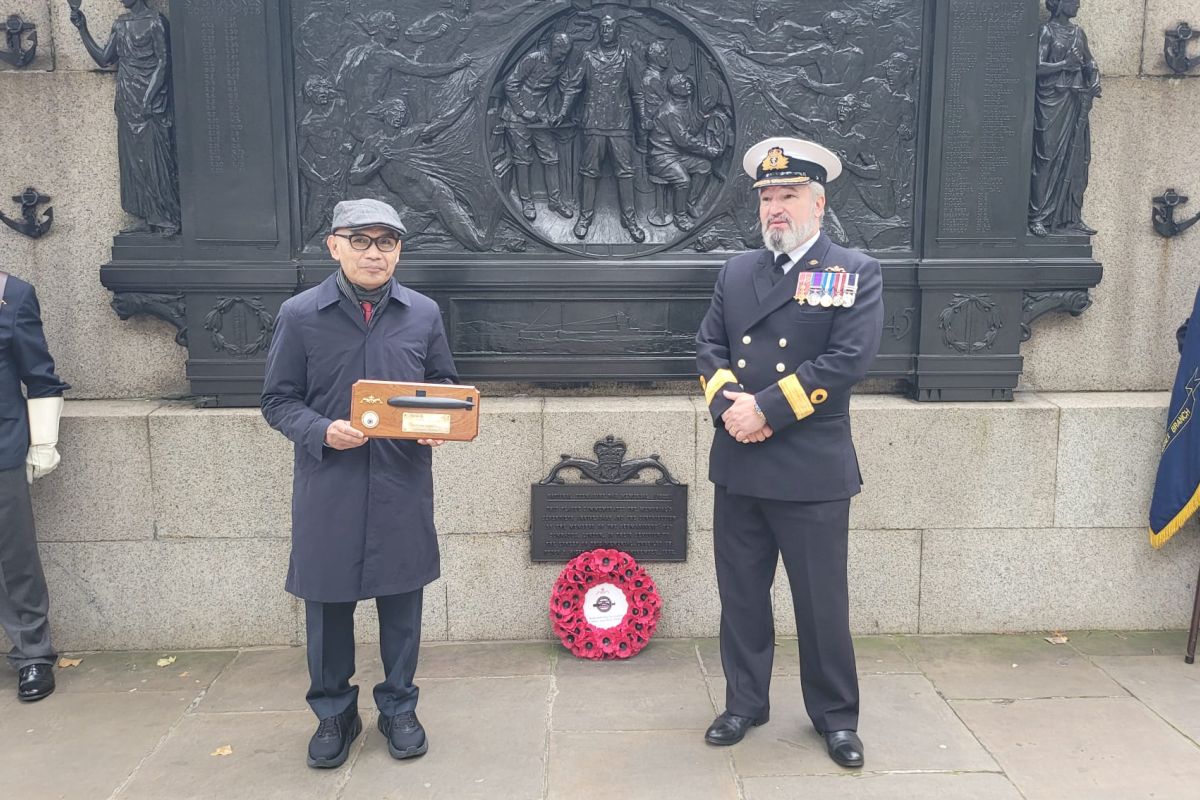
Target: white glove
43 436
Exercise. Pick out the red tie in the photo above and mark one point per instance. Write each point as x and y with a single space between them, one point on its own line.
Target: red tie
368 309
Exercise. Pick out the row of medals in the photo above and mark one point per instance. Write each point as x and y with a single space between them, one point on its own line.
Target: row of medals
827 289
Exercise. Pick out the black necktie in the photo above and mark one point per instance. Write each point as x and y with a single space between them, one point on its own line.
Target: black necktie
781 261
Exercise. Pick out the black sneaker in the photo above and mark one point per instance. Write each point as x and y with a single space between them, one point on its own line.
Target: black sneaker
405 736
330 745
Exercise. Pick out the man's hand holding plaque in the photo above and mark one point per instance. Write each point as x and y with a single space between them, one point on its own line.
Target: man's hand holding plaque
430 413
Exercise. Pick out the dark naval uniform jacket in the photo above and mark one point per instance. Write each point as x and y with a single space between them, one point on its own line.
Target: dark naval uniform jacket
362 519
24 359
800 362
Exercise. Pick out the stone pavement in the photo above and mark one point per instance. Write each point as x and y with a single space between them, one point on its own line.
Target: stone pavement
1108 715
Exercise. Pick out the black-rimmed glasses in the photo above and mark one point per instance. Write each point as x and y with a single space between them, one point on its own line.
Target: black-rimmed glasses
360 241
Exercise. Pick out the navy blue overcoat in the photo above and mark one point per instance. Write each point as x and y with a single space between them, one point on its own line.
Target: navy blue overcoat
362 519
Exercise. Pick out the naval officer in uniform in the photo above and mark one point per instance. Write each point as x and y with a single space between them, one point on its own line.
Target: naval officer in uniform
791 329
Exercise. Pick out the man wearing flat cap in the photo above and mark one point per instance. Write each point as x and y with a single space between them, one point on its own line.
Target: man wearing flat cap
362 510
792 327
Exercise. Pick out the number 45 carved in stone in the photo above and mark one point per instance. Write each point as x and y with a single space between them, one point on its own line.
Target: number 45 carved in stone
900 323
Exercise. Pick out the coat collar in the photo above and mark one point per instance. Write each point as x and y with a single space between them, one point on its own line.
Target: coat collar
328 293
771 297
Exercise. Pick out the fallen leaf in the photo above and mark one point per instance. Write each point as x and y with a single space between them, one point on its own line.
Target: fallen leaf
1057 638
184 674
64 663
166 662
223 750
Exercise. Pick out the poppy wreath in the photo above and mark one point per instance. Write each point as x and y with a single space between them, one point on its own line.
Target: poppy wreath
604 605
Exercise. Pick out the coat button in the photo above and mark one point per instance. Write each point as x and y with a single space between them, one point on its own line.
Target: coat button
783 342
746 339
780 367
741 363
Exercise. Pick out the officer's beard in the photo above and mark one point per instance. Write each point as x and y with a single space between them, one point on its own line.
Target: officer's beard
787 240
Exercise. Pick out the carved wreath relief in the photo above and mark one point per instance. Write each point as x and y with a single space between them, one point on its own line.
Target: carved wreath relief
601 129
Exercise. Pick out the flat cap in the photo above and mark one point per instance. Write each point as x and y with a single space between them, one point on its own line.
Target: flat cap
366 213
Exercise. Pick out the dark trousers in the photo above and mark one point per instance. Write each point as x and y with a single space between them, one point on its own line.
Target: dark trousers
331 654
24 598
749 536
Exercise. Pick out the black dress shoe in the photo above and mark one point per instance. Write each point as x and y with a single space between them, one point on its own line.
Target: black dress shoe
405 735
845 748
730 728
35 682
330 745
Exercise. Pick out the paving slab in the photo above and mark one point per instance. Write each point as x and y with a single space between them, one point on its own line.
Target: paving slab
874 655
638 766
887 786
904 725
661 688
1094 748
1167 686
123 671
487 740
1006 667
276 679
266 762
1128 643
487 659
82 746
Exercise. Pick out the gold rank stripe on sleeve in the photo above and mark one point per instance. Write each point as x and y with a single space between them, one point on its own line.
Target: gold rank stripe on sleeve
796 397
714 384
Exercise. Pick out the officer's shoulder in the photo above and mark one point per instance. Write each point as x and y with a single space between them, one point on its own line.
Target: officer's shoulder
852 260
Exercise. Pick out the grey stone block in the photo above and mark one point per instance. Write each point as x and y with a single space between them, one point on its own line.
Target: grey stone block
700 496
884 572
1098 748
1126 340
118 595
101 488
219 473
70 154
487 740
1167 685
665 426
1053 579
1162 15
924 464
887 786
644 765
38 13
493 591
1006 668
483 486
265 762
1108 452
691 605
1114 32
904 724
125 727
192 671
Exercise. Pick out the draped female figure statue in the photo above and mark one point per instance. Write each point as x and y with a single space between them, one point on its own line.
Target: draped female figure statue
1068 80
140 47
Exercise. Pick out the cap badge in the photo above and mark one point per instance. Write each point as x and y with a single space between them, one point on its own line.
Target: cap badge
775 159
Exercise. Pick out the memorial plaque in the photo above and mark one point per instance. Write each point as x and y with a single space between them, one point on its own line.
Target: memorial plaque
569 172
646 520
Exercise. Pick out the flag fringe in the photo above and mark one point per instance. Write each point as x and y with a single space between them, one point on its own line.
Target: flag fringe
1160 538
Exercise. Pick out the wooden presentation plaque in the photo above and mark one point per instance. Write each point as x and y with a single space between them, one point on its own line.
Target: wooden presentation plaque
397 410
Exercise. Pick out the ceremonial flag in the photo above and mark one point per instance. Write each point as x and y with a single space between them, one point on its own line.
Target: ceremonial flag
1177 487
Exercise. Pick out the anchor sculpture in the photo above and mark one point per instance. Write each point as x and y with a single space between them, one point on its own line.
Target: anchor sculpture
16 30
29 225
1175 48
1163 214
